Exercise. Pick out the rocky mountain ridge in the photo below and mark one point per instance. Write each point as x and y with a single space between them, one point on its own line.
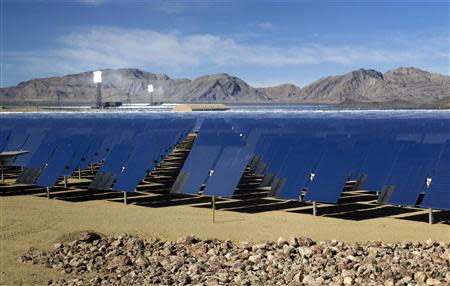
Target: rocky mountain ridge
402 86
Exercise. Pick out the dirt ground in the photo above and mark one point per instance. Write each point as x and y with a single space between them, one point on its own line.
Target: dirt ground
34 221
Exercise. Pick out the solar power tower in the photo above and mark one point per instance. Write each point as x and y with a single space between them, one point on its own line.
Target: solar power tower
98 81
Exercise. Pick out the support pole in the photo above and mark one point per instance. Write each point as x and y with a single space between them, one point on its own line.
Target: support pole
65 182
2 173
99 101
430 216
213 209
79 174
125 201
314 209
92 169
48 192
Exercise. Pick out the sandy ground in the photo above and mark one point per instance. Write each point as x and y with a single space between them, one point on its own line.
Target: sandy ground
34 221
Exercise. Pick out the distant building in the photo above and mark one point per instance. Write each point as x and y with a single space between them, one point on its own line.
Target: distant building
109 104
200 107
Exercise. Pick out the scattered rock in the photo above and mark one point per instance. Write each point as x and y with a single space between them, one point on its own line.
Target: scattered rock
305 241
431 281
118 262
281 242
188 239
259 246
89 236
348 280
406 280
308 280
420 277
128 260
142 261
293 241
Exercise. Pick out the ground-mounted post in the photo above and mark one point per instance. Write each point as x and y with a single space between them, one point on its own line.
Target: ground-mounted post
65 182
125 198
92 169
314 208
48 192
430 216
2 173
79 174
213 209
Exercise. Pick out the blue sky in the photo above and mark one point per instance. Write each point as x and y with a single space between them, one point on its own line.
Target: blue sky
263 42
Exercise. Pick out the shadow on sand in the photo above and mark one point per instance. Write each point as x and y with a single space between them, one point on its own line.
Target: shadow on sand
250 197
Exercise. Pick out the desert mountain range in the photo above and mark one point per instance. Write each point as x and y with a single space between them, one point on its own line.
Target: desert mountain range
405 86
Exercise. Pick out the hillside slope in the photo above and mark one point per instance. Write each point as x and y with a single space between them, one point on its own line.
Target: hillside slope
406 86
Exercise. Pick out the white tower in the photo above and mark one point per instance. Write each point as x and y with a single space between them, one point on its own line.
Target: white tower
150 91
98 81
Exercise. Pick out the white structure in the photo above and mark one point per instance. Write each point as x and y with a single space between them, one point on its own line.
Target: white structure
150 90
97 76
98 82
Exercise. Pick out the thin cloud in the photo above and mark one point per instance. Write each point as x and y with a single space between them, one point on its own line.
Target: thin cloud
169 7
109 47
90 2
265 25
